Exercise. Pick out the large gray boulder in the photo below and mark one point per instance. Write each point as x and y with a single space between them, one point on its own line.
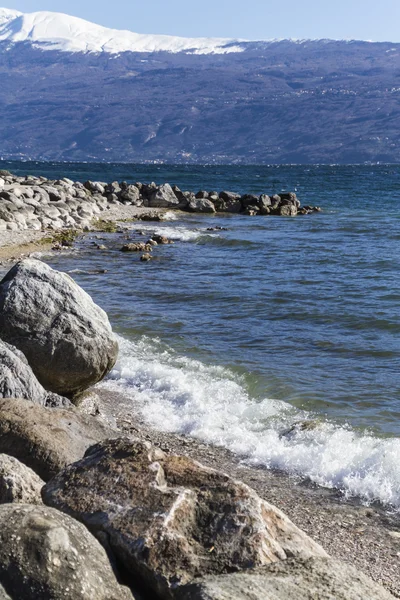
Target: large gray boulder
170 519
46 439
131 195
315 578
18 483
201 205
65 336
163 197
17 379
45 554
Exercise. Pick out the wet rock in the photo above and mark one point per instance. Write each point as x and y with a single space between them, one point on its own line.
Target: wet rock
146 257
45 439
251 211
275 201
136 247
264 201
160 239
65 336
17 379
300 427
18 483
319 578
288 210
170 519
151 217
290 197
45 554
248 200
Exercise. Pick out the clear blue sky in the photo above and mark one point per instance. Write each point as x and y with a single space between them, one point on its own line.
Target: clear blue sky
377 20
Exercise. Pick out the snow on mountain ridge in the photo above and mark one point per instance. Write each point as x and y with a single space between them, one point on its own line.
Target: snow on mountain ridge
7 14
57 31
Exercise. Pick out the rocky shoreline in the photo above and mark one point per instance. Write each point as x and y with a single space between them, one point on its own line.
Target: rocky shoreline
93 503
36 203
94 506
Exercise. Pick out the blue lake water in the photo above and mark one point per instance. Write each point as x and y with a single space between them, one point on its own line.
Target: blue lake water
234 336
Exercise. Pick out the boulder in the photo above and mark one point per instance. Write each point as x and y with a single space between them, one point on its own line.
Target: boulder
94 186
113 188
163 197
249 200
65 336
160 239
202 194
45 554
229 196
288 210
46 439
264 201
17 379
319 578
170 519
18 483
201 205
136 247
131 195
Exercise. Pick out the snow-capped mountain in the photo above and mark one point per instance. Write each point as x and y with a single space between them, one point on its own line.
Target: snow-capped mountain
72 90
57 31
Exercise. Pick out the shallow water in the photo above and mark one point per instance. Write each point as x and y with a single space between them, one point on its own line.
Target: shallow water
233 336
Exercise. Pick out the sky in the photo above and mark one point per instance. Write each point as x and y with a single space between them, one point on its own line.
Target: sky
247 19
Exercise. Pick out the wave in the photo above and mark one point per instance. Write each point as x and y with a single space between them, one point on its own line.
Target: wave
182 395
176 233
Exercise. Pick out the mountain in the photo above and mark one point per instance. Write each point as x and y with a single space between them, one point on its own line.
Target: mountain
73 90
56 31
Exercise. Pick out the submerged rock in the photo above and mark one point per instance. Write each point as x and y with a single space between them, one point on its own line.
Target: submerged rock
65 336
170 519
45 439
18 483
45 554
136 247
319 578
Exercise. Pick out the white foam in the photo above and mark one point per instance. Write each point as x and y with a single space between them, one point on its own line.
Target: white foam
177 233
178 394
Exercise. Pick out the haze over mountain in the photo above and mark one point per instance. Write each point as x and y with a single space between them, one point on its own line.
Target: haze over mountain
73 90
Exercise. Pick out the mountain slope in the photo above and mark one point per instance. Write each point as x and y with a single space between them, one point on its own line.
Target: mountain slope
272 102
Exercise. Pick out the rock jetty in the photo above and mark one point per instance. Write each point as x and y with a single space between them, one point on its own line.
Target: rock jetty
37 203
87 511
